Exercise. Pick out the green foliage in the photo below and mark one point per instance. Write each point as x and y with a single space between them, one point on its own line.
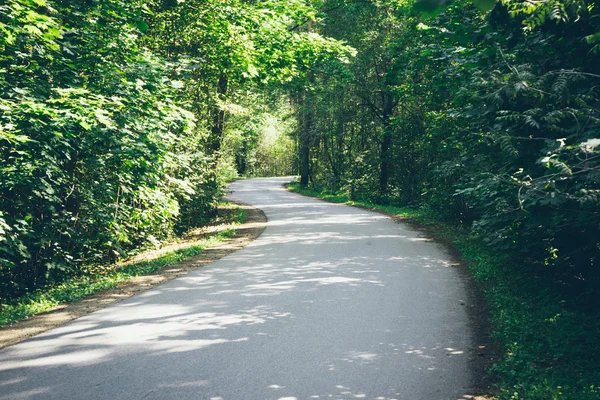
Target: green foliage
108 277
274 154
550 347
340 197
73 289
490 121
258 138
120 122
89 134
112 118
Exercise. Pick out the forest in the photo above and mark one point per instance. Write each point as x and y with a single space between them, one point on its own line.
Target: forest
122 120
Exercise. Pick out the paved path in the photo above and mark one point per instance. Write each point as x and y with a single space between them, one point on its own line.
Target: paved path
331 302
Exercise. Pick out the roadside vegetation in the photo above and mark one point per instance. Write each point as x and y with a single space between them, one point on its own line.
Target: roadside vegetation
485 117
548 350
121 122
104 277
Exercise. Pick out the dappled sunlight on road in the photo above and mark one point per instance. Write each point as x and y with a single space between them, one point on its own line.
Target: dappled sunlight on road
329 303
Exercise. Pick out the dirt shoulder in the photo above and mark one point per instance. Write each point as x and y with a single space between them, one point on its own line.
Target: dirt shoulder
251 229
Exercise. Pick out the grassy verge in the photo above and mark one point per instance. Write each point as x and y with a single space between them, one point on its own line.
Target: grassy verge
343 198
548 349
108 277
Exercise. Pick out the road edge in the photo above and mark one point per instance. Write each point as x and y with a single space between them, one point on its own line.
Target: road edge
251 229
483 352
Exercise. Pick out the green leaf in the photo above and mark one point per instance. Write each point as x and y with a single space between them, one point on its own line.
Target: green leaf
85 125
484 5
142 26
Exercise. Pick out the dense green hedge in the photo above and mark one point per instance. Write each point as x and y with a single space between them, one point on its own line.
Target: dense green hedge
89 141
121 120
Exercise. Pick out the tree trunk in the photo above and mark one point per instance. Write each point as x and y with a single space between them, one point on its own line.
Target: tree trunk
306 126
384 166
305 137
304 160
216 136
384 173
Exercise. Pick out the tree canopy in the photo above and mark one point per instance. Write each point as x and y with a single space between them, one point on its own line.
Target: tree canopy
121 121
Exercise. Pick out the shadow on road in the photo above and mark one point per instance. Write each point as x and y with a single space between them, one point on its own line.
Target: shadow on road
329 303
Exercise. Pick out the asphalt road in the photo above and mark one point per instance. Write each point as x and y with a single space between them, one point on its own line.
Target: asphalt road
331 302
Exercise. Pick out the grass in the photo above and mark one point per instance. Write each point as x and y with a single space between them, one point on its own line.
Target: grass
108 277
547 350
334 197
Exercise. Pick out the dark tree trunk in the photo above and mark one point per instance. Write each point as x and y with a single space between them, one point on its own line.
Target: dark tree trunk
304 160
216 136
306 134
384 172
305 139
240 161
306 126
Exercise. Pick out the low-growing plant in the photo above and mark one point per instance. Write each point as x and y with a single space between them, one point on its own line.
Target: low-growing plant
99 278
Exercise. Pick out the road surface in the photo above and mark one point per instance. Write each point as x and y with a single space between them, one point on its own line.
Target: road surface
331 302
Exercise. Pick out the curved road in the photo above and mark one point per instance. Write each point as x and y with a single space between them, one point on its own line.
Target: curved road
331 302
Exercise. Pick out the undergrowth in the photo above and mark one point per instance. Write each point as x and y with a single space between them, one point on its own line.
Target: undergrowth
108 277
549 349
